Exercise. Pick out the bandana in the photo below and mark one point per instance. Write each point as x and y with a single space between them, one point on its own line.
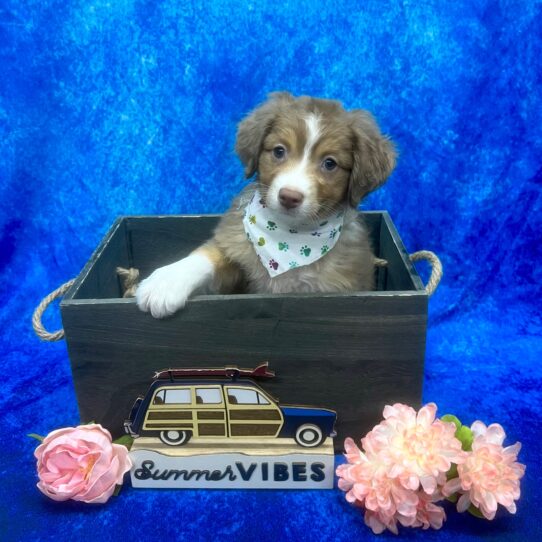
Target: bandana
282 247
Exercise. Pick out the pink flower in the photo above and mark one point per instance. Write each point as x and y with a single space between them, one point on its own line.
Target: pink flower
416 449
81 463
490 476
385 499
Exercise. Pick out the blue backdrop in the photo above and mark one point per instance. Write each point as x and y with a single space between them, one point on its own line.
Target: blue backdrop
111 107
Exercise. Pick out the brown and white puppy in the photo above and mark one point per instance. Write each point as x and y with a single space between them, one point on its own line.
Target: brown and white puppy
311 158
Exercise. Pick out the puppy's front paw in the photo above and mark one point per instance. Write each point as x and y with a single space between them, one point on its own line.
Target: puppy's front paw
168 288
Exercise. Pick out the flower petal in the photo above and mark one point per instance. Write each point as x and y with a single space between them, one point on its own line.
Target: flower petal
478 428
451 486
426 415
428 483
495 434
463 503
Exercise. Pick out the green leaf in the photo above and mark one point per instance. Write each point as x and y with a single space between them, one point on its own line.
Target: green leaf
453 498
36 436
451 418
475 512
464 434
117 490
452 473
125 440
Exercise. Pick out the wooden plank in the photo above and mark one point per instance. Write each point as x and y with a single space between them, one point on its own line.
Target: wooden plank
310 307
95 274
373 221
160 240
99 278
401 274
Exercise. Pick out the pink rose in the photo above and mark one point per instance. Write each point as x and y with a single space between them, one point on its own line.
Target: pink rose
81 463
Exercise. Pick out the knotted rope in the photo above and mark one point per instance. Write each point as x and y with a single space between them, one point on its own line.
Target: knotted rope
432 259
436 268
130 280
41 332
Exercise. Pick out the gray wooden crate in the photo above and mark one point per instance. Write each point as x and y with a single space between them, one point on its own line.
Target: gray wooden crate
352 352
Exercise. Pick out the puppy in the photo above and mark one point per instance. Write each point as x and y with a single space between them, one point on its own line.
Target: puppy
296 227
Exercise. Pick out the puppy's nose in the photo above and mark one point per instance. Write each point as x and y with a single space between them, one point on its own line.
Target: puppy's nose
290 198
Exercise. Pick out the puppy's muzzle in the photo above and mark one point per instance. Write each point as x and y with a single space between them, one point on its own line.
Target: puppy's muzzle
290 199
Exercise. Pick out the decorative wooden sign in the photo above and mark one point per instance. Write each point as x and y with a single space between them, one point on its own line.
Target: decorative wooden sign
251 465
218 428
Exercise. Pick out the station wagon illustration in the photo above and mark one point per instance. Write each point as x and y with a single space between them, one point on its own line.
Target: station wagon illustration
222 403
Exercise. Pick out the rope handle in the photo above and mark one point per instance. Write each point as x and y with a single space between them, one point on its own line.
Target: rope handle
41 332
129 279
436 268
432 259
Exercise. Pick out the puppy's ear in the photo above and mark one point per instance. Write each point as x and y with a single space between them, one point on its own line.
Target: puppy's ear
253 129
374 156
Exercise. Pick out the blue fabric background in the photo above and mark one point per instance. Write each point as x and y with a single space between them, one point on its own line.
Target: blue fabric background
117 107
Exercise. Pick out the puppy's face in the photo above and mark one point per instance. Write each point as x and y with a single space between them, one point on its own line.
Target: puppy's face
311 156
304 164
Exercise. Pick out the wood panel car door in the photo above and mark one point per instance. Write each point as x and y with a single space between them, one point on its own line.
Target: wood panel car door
251 413
210 411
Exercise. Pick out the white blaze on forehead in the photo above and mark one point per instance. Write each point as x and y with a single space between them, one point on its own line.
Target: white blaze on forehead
313 133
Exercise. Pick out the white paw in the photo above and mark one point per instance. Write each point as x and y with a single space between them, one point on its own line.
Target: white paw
168 288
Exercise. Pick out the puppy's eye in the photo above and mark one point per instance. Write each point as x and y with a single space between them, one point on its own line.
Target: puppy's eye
329 164
279 152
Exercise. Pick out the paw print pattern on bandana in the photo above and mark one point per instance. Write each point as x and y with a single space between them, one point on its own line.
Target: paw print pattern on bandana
284 246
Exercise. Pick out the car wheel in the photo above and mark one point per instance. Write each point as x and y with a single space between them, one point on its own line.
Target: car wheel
309 435
175 438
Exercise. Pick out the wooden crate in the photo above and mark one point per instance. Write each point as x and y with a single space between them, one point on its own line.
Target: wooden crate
353 353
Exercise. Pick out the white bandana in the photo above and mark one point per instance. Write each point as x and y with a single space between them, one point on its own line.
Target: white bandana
282 247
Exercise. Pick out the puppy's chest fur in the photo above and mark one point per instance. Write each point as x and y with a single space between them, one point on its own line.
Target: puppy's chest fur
347 267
